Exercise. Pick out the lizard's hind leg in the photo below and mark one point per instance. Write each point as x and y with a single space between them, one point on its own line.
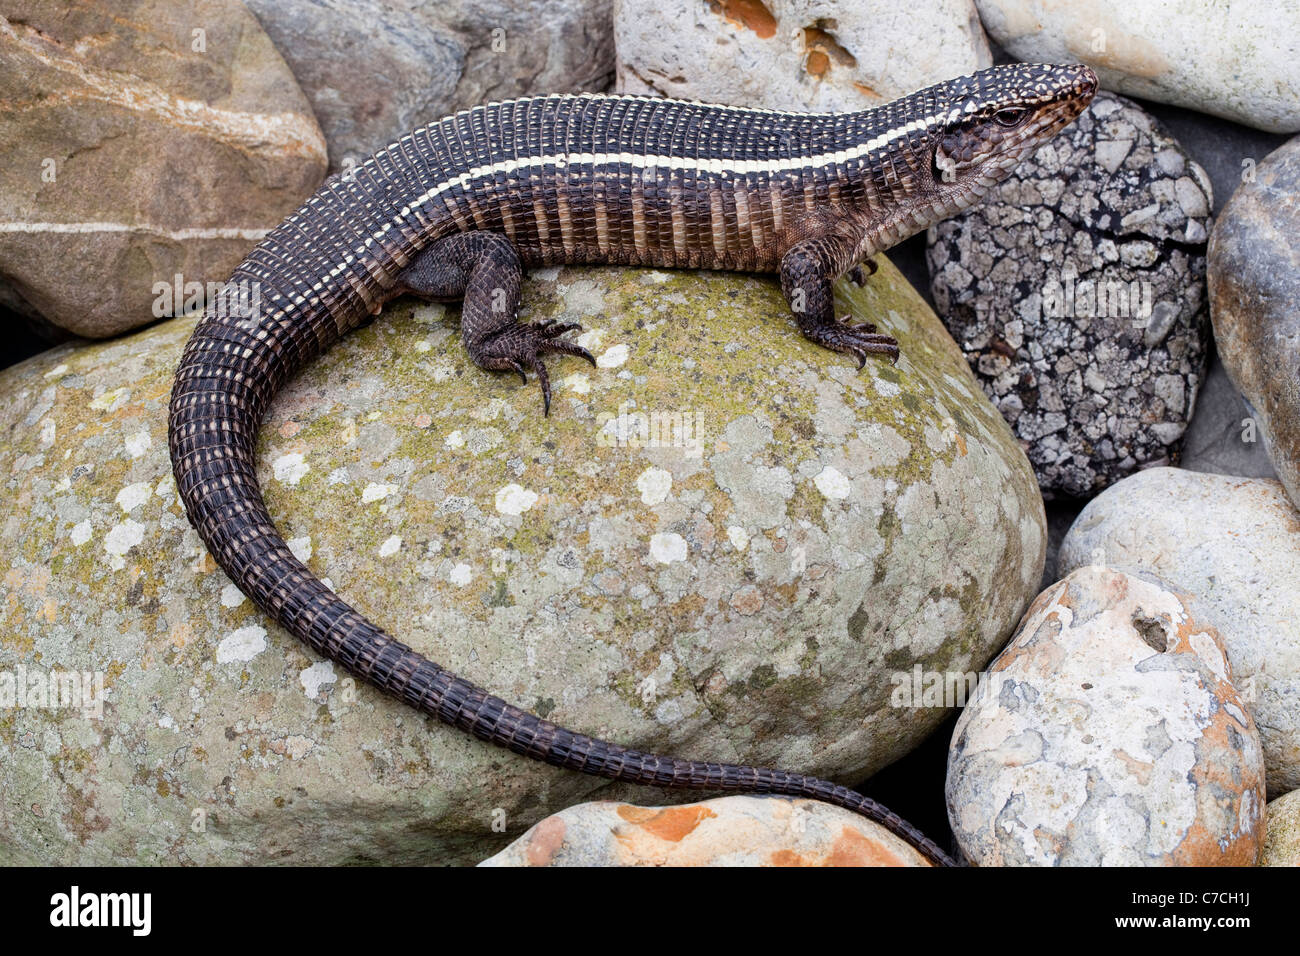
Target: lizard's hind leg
484 269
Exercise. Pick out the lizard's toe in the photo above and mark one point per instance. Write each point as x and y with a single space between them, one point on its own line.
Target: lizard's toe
858 341
521 347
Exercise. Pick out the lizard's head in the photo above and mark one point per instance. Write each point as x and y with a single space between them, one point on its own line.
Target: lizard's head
997 117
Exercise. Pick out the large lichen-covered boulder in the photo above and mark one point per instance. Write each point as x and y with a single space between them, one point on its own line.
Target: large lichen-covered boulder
748 571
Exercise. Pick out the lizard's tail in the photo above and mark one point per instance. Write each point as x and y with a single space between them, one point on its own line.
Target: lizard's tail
216 405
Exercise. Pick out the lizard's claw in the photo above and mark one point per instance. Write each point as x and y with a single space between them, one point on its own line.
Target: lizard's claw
856 340
521 347
858 276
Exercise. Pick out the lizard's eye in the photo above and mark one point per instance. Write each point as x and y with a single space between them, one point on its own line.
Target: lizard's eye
1011 116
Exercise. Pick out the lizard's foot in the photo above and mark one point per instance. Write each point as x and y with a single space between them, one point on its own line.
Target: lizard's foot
859 278
520 347
856 340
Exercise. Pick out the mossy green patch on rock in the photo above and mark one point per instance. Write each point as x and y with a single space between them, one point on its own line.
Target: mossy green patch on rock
724 542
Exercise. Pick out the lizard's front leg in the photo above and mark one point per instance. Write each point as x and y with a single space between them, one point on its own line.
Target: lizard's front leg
484 268
807 270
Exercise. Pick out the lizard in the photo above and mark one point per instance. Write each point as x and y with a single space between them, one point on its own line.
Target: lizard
456 209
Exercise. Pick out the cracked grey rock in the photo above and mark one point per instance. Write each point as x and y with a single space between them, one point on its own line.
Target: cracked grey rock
1108 733
1254 283
1076 291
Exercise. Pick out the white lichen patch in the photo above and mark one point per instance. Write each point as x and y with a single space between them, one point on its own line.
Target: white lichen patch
231 596
291 468
832 483
591 339
738 537
80 533
454 439
578 382
301 548
515 499
111 400
392 544
612 357
375 492
316 677
242 645
667 547
133 496
460 574
139 443
655 484
120 539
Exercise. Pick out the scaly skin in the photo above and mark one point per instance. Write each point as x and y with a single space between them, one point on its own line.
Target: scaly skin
458 208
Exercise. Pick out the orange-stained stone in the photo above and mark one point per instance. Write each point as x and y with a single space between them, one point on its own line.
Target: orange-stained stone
546 838
670 823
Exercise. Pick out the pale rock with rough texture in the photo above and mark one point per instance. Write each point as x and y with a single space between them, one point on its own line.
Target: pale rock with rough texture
1254 282
1108 733
376 69
725 542
1240 61
816 55
728 831
1282 843
1234 544
143 141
